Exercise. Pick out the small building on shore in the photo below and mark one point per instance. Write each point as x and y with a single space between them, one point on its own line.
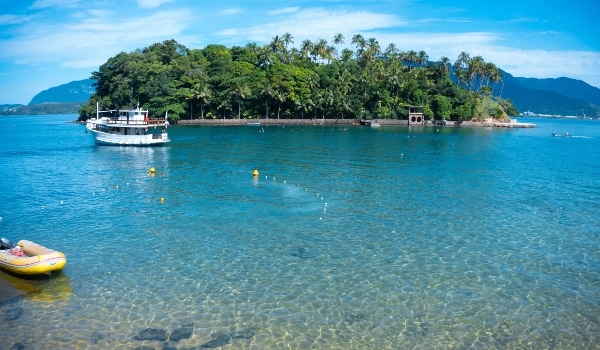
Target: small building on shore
415 115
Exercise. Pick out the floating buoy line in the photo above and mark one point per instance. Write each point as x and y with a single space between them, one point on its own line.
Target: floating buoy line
255 174
162 200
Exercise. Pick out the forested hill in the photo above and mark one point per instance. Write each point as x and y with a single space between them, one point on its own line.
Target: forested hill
572 88
561 96
64 99
278 80
75 91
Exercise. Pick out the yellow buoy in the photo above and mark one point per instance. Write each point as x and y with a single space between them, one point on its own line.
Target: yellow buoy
162 199
152 170
255 172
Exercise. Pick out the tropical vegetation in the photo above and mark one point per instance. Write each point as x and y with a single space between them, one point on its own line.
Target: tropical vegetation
316 80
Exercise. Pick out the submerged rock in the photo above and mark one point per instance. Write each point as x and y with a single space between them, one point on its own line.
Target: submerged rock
355 317
13 313
152 334
301 253
18 346
97 336
184 332
220 339
247 334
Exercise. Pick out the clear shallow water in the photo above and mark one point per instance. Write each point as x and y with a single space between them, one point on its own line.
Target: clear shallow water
350 238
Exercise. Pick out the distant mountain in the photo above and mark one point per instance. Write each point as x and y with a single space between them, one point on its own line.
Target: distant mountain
75 91
562 96
572 88
43 108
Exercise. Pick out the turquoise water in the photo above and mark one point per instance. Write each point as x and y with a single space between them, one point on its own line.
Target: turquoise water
350 237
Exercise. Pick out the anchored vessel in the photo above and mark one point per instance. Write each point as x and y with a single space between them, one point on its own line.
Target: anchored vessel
29 258
127 127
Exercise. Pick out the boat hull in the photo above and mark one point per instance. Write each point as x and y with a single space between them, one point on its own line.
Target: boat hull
37 260
105 139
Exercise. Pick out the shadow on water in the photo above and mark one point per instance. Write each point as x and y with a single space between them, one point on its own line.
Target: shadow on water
46 288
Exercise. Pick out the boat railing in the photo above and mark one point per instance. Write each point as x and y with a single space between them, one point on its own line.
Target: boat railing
135 122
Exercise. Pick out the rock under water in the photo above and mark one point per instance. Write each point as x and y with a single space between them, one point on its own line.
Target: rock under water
152 334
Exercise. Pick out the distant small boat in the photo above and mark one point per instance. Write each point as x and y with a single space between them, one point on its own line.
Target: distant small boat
29 258
370 122
253 124
566 134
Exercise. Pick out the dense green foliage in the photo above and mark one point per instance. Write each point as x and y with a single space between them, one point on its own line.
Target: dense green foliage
275 81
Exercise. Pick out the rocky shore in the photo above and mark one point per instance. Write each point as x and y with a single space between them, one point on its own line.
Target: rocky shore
381 122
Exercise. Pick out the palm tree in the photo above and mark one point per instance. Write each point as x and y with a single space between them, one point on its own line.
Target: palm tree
372 50
320 49
287 39
202 94
240 92
460 68
253 47
264 58
338 40
411 57
306 49
475 70
276 44
360 43
280 97
445 64
391 52
422 58
267 91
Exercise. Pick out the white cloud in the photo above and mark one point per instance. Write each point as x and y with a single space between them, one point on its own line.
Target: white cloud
43 4
517 62
150 4
283 11
312 24
231 11
91 41
14 19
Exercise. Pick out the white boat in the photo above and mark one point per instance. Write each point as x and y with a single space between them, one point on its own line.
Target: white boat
127 127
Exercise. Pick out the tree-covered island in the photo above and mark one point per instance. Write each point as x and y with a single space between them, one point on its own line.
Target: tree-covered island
316 80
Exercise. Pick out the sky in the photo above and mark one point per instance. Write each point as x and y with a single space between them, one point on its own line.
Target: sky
46 43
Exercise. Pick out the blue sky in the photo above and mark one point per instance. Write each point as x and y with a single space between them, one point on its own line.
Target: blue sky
45 43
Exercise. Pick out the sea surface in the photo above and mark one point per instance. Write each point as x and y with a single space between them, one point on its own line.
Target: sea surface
349 238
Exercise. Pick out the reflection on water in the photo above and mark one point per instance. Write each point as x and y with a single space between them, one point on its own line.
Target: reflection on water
54 288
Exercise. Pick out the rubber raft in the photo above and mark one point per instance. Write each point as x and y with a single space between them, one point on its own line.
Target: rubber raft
36 260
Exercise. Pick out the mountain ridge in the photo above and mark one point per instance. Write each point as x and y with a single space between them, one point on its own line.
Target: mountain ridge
553 96
74 91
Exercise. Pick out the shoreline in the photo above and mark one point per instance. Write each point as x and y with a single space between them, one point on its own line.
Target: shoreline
381 122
